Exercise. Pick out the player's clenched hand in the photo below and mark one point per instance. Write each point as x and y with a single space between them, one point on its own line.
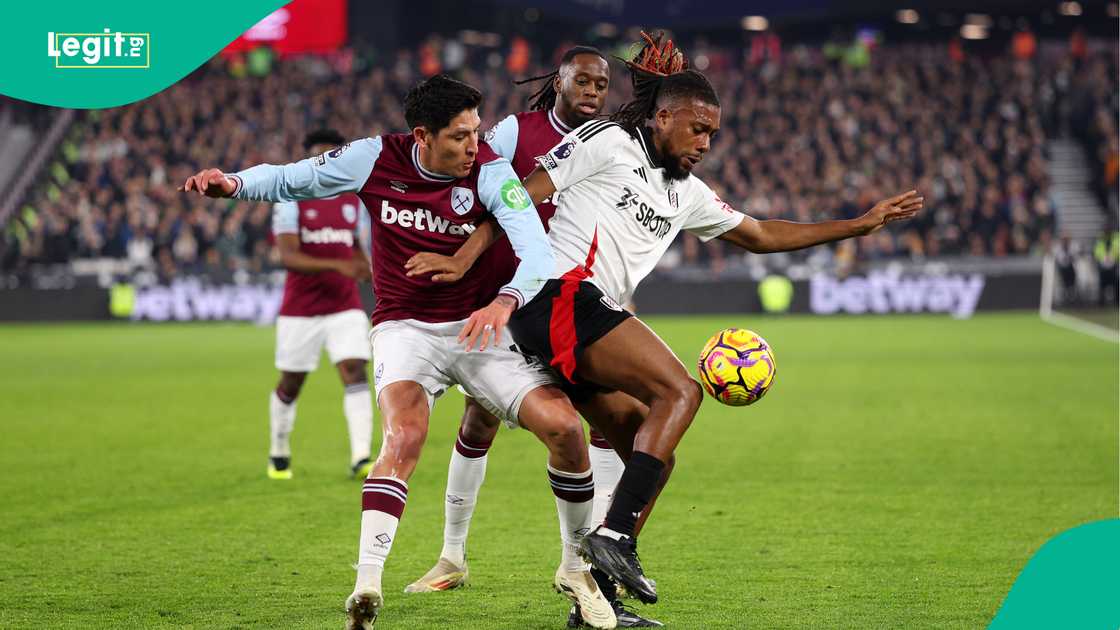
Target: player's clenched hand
444 268
486 322
210 182
896 208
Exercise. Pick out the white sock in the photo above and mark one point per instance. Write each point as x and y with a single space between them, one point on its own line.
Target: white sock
281 421
357 405
383 501
607 468
464 478
574 492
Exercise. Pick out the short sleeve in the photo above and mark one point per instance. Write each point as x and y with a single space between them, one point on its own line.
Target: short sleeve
582 153
285 218
709 216
502 137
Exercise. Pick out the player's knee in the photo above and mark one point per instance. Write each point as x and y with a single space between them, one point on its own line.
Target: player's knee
478 424
352 371
682 393
564 436
692 395
291 383
403 443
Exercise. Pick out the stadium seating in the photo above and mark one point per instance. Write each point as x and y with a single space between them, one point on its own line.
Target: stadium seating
804 138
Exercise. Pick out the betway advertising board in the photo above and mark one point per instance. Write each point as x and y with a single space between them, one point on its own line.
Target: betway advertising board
957 295
885 292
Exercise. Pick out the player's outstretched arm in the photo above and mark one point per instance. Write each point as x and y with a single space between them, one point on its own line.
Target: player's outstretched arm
340 170
763 237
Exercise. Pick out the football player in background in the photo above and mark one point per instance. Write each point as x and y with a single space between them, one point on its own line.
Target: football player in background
318 240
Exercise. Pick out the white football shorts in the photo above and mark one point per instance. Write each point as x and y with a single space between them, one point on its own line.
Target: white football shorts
430 354
300 340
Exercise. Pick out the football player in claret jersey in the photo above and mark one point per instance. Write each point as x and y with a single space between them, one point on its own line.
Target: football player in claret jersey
318 243
626 190
568 97
426 190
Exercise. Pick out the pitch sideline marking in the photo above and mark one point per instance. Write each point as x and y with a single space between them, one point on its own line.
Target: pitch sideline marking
1048 315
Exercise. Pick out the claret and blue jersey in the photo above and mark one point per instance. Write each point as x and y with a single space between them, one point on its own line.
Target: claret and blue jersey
415 210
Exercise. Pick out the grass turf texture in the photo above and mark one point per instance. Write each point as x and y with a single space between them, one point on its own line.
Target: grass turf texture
899 474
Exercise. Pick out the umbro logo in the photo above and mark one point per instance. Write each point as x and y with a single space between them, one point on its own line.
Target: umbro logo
454 500
400 187
383 538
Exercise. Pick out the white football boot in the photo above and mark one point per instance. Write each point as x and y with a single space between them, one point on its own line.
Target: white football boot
445 576
362 607
581 588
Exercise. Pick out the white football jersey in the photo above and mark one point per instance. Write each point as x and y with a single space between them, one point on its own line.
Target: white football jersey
617 211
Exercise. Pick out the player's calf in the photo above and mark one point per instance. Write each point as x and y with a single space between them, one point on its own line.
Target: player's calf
404 407
465 474
281 422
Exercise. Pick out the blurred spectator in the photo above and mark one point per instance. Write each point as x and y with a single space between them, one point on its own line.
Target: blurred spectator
805 136
1106 251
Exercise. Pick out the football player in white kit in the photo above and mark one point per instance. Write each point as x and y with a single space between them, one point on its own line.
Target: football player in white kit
627 189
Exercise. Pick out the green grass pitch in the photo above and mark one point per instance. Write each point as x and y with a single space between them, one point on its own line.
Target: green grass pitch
899 475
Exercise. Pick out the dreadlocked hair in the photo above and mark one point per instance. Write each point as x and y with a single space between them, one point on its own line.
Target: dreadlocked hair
545 96
654 64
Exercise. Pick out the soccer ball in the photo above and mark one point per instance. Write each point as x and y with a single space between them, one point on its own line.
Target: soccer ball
737 367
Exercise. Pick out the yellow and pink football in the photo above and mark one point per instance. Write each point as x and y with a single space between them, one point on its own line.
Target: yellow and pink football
737 367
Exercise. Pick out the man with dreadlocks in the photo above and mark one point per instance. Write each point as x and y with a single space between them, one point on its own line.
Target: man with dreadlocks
627 189
568 97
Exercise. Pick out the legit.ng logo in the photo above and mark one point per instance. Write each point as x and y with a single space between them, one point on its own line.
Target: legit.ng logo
105 50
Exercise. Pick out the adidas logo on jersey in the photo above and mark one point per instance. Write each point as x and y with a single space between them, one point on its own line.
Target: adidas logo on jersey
327 236
422 220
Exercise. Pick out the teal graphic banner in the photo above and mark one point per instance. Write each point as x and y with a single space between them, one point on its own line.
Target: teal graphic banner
90 55
1073 581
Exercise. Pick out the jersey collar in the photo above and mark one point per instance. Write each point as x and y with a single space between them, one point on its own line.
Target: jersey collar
425 173
644 135
558 124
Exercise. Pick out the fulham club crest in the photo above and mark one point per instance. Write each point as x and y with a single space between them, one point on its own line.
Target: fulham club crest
462 200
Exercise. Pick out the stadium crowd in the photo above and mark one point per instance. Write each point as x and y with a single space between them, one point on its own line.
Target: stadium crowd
806 135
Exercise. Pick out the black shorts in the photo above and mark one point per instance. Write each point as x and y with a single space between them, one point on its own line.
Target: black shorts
561 321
